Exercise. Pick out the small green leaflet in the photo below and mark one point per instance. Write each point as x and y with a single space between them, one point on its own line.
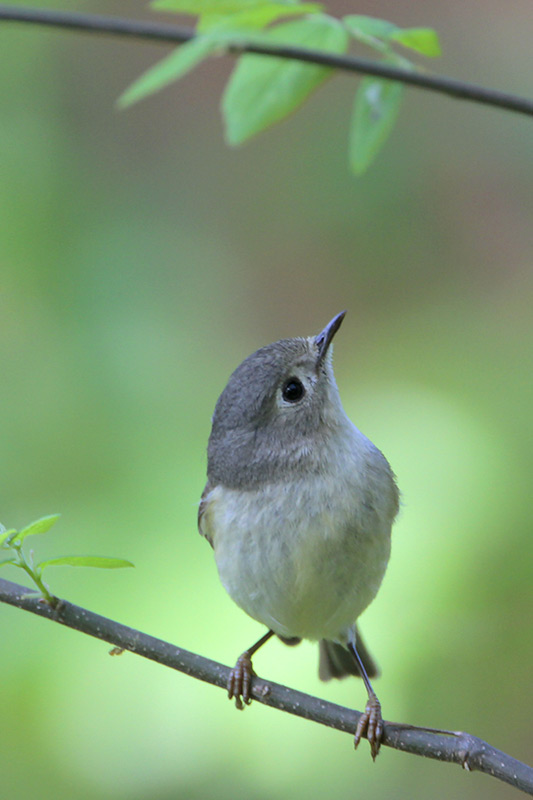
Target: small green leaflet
423 40
377 104
41 525
170 69
378 101
85 561
378 33
254 18
263 90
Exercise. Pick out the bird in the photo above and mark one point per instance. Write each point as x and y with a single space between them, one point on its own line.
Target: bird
298 508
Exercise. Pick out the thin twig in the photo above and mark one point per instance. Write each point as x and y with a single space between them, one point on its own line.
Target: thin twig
460 748
116 26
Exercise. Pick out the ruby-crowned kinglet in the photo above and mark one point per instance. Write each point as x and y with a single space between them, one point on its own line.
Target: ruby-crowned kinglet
298 508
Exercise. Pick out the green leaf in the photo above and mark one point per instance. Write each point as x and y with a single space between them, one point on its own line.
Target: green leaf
41 525
422 40
263 90
378 33
5 535
170 69
377 104
254 18
103 562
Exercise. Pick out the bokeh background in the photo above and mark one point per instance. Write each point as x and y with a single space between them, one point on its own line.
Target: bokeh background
140 261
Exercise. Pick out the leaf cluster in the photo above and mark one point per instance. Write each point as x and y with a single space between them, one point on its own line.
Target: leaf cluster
263 90
11 542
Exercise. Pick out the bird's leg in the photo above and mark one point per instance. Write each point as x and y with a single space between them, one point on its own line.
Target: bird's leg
240 677
371 721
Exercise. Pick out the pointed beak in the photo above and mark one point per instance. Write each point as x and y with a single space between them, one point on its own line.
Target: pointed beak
323 340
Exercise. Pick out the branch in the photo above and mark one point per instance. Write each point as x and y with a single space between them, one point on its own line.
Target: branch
460 748
116 26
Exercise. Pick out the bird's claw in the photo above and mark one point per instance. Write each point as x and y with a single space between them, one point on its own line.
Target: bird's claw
240 681
371 724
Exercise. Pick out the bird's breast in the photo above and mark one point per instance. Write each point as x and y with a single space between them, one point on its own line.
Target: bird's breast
305 556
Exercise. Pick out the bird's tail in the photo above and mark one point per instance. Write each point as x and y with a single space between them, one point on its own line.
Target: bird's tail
336 661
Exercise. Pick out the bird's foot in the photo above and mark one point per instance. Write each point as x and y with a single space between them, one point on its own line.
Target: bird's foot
240 681
371 723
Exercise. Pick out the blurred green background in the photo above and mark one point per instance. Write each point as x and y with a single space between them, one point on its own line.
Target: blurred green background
140 261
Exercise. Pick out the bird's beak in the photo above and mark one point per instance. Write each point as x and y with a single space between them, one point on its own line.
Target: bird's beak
323 340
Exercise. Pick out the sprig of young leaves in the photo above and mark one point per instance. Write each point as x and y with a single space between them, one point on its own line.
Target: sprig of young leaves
263 90
11 542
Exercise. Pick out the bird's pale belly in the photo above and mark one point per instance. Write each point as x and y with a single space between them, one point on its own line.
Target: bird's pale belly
294 569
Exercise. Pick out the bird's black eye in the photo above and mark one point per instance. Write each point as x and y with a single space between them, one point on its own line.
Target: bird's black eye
293 390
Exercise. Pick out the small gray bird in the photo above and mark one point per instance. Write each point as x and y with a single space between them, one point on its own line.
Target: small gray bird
298 508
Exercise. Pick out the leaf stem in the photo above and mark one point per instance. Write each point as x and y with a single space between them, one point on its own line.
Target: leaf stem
34 574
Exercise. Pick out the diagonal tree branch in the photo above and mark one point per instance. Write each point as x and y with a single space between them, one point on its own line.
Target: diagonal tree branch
460 748
116 26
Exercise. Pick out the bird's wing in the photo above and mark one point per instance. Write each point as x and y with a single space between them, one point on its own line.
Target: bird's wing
203 525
